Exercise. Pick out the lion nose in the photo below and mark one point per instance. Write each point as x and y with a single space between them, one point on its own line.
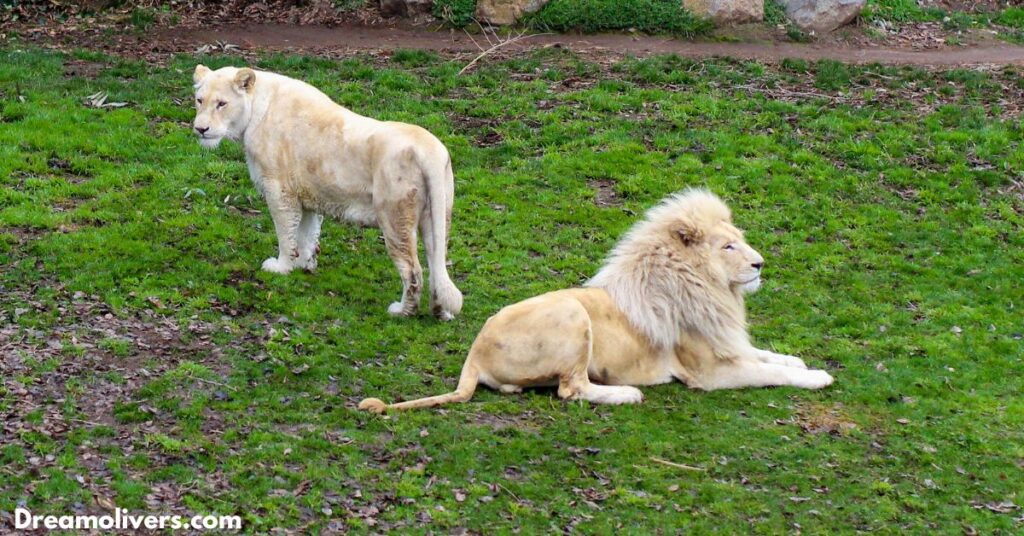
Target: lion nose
202 130
758 265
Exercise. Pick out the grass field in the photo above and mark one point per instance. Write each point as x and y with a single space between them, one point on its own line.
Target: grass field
147 362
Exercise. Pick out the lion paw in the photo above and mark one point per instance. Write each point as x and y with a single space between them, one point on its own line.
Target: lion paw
275 265
308 265
612 394
628 395
398 309
816 379
444 316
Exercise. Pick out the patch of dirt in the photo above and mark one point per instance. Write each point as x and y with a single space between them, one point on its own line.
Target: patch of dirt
821 419
925 100
485 135
604 193
489 138
83 69
24 235
81 369
349 37
525 421
909 44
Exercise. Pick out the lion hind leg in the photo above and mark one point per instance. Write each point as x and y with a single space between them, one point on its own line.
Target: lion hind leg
308 235
575 383
611 394
398 222
445 297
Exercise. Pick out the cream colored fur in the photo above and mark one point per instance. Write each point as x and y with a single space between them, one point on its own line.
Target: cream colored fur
667 305
310 157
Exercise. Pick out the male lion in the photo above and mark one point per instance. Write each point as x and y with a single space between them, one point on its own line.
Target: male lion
668 304
309 156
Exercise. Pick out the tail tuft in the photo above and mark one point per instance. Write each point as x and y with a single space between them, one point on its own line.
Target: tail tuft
373 405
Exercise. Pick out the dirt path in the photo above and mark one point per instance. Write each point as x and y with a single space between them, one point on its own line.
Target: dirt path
319 38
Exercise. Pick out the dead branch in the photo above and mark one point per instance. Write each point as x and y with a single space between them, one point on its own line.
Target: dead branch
500 44
676 465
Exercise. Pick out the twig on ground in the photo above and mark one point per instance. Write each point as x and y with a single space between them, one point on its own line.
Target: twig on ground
211 382
83 421
514 496
484 32
500 44
676 465
775 92
470 36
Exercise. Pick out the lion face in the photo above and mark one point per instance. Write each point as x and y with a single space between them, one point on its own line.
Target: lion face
738 263
223 103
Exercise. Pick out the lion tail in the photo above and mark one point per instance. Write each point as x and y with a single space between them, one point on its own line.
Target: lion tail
445 296
467 385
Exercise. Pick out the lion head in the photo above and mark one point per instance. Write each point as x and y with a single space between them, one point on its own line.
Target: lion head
685 266
223 103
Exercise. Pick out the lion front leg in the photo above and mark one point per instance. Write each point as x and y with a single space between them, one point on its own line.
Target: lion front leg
773 358
287 215
749 371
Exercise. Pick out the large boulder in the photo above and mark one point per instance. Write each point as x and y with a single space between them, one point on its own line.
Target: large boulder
724 12
822 16
405 8
504 12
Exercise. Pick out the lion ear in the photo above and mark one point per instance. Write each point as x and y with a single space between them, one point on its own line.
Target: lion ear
200 73
245 79
689 235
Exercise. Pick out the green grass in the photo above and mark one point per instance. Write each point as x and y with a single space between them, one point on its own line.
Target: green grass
882 198
1012 17
650 16
458 13
774 13
1009 20
900 11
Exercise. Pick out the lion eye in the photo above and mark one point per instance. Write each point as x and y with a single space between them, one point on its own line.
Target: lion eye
199 102
729 247
221 104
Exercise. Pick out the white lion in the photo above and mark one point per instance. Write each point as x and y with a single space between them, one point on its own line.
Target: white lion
309 156
667 305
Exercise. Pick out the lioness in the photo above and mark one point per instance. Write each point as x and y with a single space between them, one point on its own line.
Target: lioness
309 156
667 305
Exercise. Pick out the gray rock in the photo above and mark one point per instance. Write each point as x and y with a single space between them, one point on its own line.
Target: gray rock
724 12
822 16
504 12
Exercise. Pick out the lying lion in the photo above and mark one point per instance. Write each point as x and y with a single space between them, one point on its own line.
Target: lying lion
667 305
310 157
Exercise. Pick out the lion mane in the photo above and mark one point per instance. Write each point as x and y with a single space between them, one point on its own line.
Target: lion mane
663 289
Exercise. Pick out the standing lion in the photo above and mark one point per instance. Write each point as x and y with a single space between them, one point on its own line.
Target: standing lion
667 305
309 156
